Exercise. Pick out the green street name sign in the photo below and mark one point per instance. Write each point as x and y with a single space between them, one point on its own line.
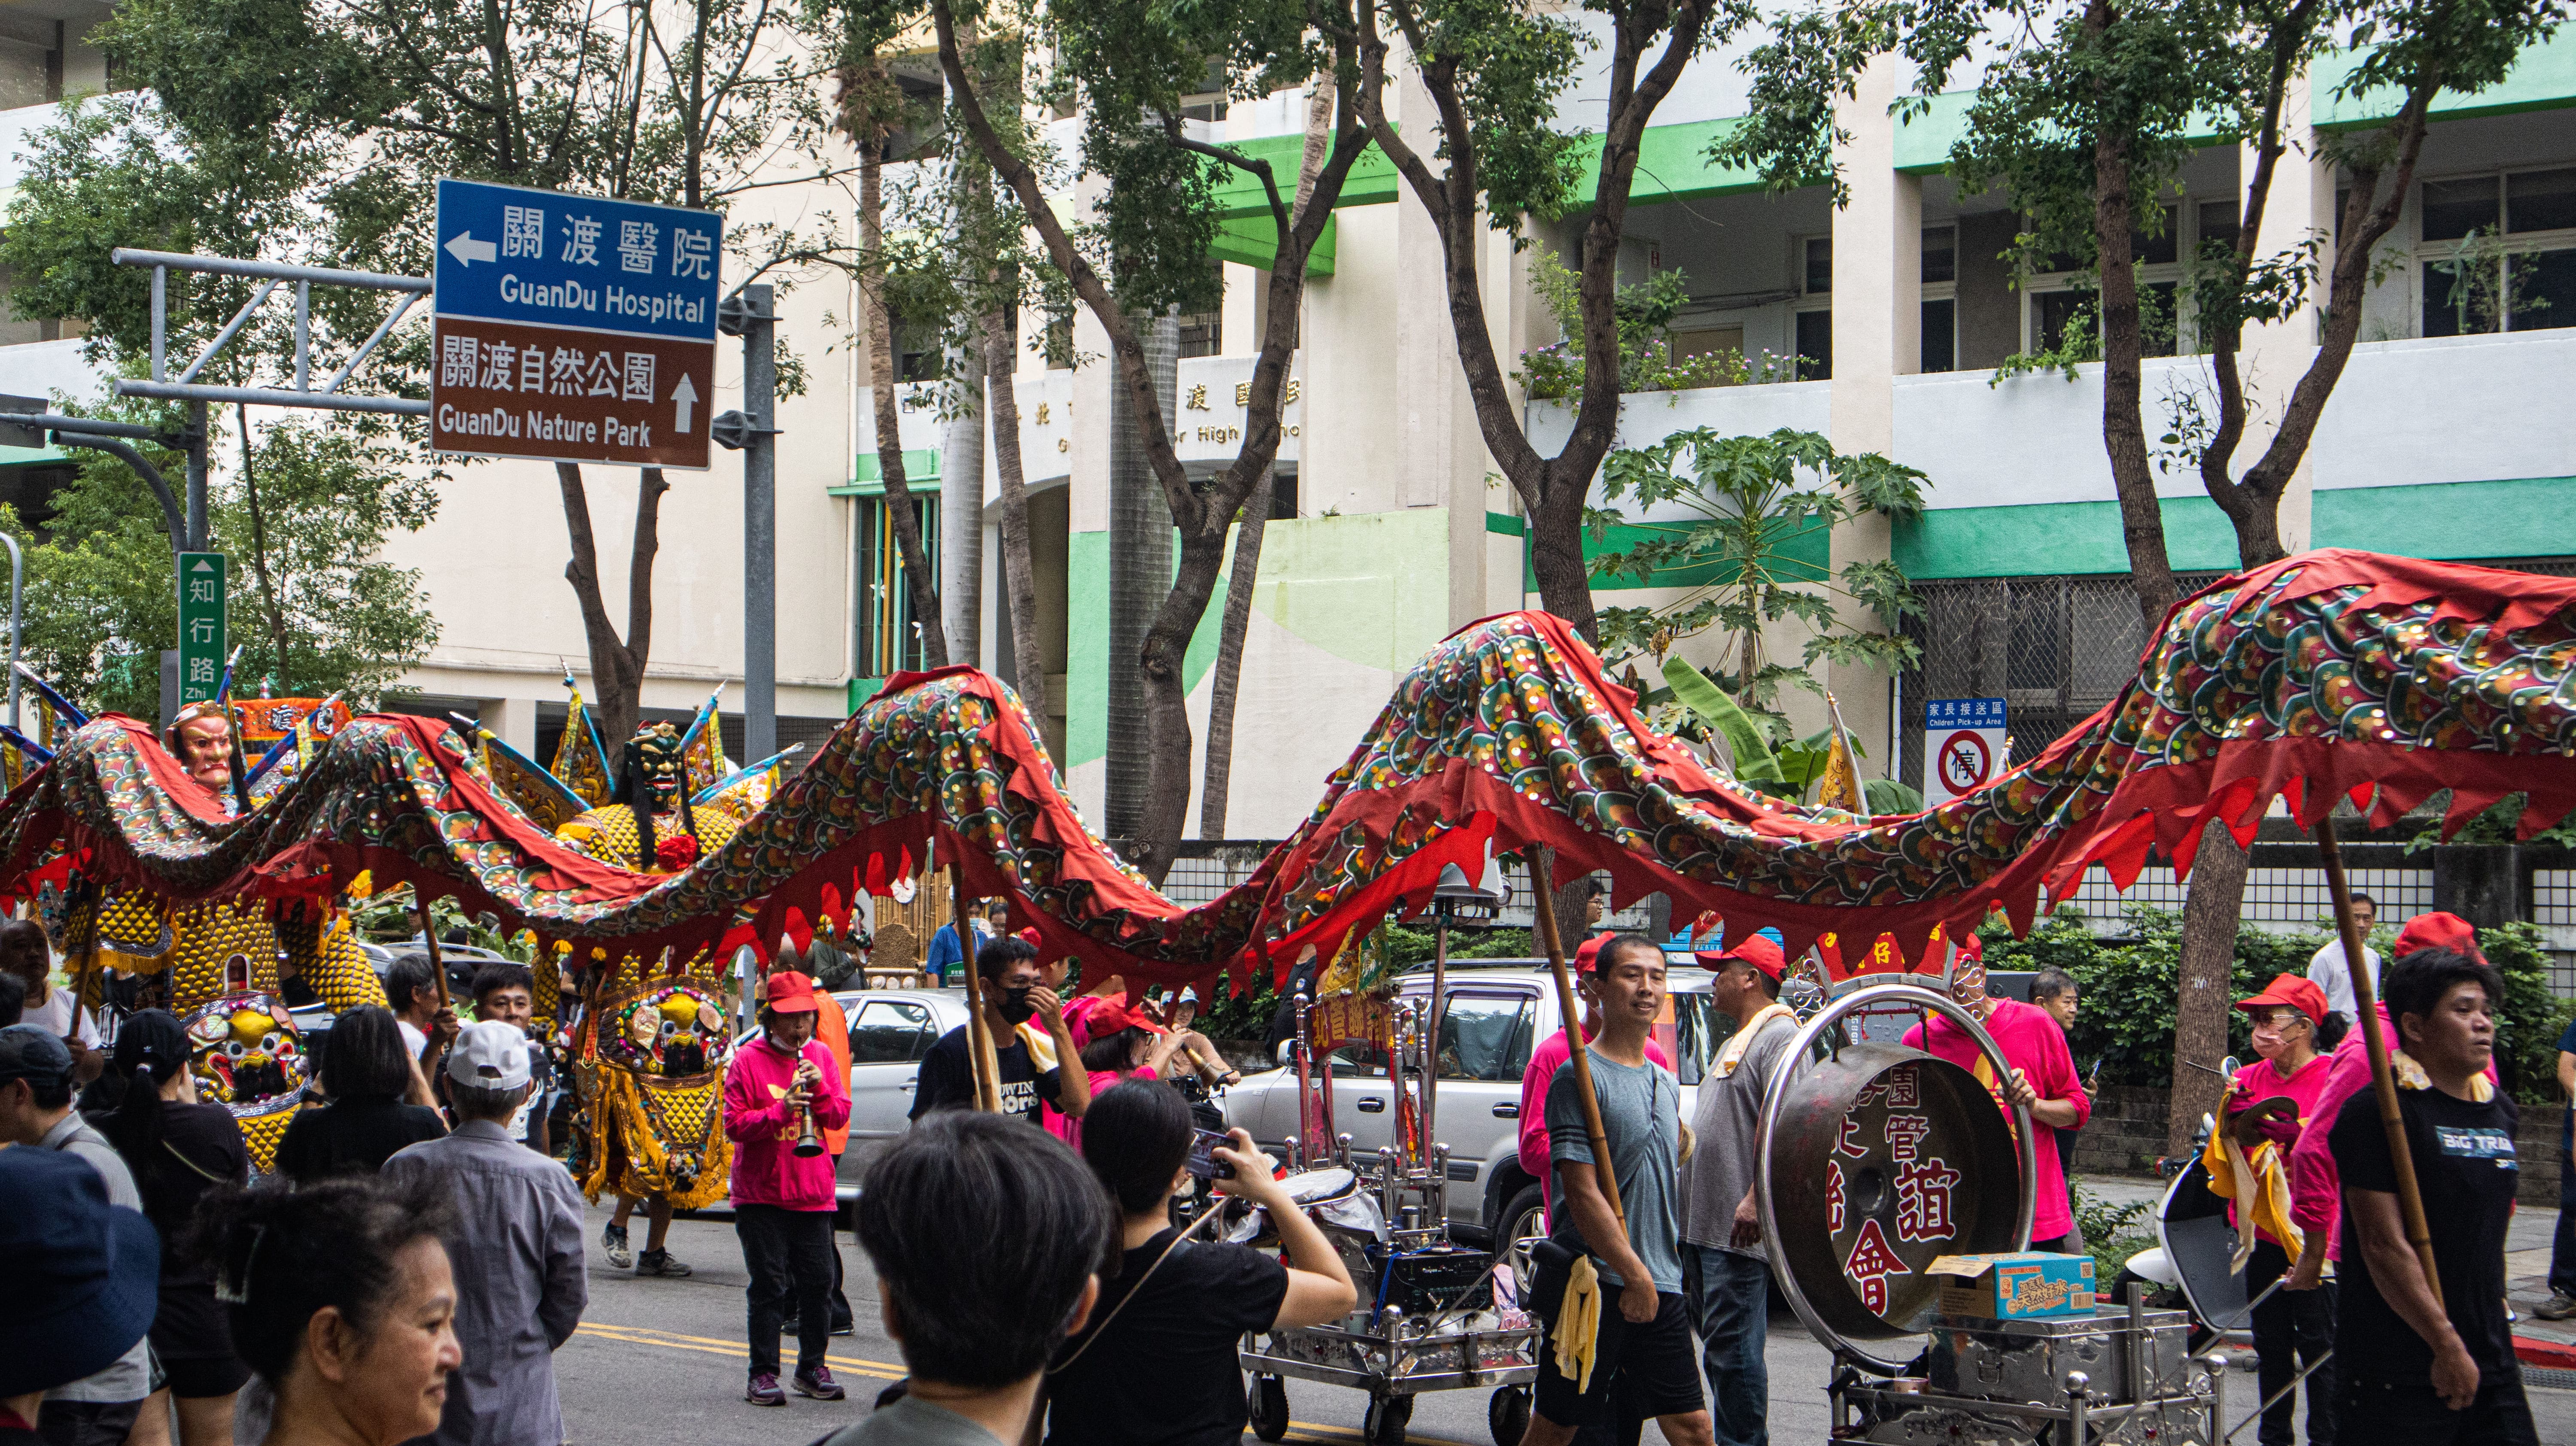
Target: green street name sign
201 625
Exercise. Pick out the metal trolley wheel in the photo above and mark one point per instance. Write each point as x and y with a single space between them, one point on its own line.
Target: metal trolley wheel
1775 1100
1384 1422
1507 1415
1268 1400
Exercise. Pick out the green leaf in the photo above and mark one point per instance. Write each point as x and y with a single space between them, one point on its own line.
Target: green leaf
1886 795
1753 761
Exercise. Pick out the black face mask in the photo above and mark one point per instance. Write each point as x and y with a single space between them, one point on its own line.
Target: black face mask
1016 1006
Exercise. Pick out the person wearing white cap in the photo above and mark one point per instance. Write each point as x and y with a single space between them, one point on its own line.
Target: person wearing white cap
520 1283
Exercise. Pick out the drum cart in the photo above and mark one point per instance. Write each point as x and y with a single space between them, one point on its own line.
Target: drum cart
1434 1315
1852 1131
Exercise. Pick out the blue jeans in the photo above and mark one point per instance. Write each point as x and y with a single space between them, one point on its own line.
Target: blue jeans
2562 1249
1732 1308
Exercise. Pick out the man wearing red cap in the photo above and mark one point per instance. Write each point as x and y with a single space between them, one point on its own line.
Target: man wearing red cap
2291 1328
2043 1078
783 1201
1720 1223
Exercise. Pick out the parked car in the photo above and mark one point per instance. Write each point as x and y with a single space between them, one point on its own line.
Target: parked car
1497 1011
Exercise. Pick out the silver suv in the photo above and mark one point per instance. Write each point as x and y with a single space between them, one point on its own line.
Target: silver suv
1497 1011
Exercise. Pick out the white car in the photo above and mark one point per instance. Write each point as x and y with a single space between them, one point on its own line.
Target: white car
1497 1011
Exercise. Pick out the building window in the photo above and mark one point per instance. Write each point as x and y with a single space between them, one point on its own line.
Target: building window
1203 332
889 639
1817 271
1940 298
1815 346
2064 289
2498 252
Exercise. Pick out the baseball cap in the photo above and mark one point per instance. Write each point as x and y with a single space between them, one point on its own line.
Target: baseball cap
27 1052
1110 1016
1971 946
95 1269
791 994
2438 931
489 1055
1587 952
1762 951
2293 990
1030 937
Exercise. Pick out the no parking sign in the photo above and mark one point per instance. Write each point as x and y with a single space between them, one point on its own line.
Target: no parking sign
1966 740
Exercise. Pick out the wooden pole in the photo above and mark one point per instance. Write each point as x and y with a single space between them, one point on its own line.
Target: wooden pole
429 939
1543 901
2365 993
979 1034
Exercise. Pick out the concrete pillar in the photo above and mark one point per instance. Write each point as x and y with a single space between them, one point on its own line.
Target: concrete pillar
514 720
2272 357
1242 323
1878 336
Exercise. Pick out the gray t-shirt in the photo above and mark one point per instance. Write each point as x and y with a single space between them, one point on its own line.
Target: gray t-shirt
1641 1118
1722 1166
130 1379
912 1422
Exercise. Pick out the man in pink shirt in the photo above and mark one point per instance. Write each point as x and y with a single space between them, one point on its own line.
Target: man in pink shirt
783 1201
1545 1061
2043 1079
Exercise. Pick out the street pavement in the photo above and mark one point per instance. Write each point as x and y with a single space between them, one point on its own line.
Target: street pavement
662 1361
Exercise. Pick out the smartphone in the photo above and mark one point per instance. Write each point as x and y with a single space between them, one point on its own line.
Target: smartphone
1203 1162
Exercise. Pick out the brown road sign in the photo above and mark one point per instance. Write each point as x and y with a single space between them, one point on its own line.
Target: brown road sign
556 394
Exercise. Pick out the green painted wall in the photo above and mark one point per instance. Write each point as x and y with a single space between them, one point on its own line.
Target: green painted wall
1086 648
2543 78
1371 589
2527 517
1809 548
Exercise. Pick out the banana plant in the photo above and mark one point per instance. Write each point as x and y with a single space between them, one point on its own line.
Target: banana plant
1786 772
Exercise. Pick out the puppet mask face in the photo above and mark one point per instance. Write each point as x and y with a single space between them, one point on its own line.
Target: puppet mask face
206 749
659 751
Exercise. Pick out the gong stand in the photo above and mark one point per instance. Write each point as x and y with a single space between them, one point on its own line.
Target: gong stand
980 1049
1542 872
2365 993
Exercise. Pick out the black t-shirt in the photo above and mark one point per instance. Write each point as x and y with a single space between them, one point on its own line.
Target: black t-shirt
2466 1169
352 1137
1166 1371
201 1147
947 1079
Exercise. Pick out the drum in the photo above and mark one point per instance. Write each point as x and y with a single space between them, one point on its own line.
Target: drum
1348 1215
1876 1160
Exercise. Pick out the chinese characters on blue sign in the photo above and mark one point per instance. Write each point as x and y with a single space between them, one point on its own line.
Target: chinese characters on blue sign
572 328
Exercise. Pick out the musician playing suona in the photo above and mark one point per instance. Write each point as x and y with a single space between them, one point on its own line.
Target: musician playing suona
1611 1297
779 1093
2043 1079
2414 1368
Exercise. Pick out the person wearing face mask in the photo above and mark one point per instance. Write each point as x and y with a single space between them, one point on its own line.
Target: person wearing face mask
2042 1079
2292 1328
783 1201
1028 1064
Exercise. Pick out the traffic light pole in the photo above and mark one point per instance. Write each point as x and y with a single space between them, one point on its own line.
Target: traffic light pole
751 314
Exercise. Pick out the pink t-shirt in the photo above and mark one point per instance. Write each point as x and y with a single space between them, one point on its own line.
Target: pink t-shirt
2263 1080
2032 1043
1545 1061
1068 1129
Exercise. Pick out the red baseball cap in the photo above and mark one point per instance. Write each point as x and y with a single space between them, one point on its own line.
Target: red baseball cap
1757 951
791 993
1110 1016
1028 936
2439 931
2296 991
1587 953
1971 947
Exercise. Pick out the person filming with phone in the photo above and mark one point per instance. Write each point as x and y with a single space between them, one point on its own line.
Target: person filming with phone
1180 1303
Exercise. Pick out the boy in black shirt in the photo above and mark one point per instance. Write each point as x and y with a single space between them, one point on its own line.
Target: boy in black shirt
1026 1061
2426 1371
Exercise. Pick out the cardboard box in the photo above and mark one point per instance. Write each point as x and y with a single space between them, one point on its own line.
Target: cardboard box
2026 1285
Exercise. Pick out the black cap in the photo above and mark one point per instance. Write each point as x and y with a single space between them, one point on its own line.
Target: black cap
95 1270
27 1052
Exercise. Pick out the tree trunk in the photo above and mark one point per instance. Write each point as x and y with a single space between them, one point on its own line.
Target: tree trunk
1019 573
961 502
1140 582
1556 550
1229 658
920 582
2209 925
2124 432
1167 716
616 666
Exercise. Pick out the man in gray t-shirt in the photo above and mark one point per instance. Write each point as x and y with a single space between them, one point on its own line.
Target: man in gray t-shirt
1720 1225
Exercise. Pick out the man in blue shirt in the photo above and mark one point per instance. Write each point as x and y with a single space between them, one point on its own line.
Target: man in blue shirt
944 958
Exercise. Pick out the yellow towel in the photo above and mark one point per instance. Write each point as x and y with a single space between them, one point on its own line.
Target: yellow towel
2410 1076
1733 1053
2261 1189
1578 1323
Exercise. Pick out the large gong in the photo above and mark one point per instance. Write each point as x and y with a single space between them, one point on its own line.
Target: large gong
1876 1160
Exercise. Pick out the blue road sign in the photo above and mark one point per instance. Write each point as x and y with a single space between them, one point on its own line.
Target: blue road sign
506 253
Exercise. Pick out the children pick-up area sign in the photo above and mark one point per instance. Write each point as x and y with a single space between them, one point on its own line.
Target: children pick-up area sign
573 329
1964 738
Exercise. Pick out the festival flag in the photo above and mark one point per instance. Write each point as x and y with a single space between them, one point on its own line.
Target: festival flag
581 764
702 759
1840 787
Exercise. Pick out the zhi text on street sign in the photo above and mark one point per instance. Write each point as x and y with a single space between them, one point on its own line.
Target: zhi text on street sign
1966 740
573 329
201 625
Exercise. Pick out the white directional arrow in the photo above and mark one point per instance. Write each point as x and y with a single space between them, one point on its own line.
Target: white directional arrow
467 250
686 395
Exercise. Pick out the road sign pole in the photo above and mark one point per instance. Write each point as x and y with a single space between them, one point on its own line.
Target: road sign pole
759 526
197 527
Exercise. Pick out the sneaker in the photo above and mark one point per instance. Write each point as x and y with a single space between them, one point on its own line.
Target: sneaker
2561 1305
818 1383
661 1262
789 1325
763 1391
621 1256
841 1327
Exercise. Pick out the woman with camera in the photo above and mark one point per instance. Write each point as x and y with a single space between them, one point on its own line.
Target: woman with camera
1180 1303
